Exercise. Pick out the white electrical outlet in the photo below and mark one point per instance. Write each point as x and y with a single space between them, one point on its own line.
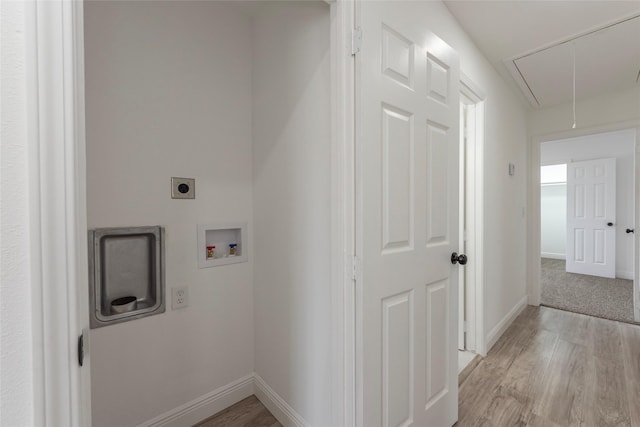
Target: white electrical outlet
180 298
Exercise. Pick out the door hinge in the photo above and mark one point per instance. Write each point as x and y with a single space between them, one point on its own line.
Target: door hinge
355 268
356 40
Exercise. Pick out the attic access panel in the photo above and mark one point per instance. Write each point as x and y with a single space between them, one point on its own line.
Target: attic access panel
607 59
126 274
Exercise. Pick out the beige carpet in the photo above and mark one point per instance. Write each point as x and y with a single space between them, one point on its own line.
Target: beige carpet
595 296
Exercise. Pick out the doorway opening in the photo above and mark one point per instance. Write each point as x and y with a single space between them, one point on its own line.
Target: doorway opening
470 302
255 133
587 217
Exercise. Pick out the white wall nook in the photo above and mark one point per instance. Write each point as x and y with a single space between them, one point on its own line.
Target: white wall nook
222 244
248 116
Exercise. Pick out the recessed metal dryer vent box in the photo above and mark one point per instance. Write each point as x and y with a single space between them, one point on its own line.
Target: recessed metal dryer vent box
126 274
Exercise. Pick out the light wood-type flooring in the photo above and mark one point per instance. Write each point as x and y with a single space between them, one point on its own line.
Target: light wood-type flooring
550 368
556 368
249 412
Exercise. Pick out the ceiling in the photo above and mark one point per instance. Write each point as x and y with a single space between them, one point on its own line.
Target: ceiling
532 44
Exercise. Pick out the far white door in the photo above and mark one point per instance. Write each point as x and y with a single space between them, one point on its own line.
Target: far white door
591 217
408 126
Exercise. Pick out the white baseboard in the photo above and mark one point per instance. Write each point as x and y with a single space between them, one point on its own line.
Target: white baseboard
495 333
553 255
280 409
205 406
624 275
211 403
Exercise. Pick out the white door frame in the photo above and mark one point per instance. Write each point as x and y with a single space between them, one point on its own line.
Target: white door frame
58 166
636 238
533 223
59 278
475 233
343 265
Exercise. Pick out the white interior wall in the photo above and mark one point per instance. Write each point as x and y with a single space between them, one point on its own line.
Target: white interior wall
604 110
553 211
553 221
621 146
17 403
292 202
504 196
168 93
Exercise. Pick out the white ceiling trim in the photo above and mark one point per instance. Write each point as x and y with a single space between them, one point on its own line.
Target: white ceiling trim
521 81
580 35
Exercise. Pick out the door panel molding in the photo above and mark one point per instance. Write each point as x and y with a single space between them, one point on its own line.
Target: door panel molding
417 85
591 200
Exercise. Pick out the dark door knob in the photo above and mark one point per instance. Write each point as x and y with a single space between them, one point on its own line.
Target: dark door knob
630 230
610 224
455 258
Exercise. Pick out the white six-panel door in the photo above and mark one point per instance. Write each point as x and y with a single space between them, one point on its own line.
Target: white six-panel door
408 127
591 217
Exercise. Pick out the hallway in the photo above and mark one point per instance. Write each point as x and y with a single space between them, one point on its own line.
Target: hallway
556 368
